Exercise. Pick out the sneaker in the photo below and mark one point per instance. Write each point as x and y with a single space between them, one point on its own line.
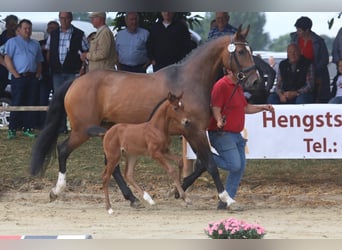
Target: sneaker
28 132
11 134
234 207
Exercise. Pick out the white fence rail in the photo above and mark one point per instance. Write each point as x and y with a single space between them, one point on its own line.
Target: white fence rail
23 108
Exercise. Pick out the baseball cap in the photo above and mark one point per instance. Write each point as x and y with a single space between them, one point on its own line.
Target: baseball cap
98 14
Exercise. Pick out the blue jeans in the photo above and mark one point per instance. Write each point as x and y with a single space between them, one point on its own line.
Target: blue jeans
58 79
25 92
336 100
304 98
231 149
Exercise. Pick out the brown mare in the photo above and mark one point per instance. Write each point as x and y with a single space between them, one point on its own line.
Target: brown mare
149 138
122 97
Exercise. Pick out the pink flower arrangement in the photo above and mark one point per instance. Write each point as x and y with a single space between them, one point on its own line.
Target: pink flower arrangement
234 229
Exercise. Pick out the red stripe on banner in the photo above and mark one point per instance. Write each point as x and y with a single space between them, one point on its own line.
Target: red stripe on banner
44 237
10 237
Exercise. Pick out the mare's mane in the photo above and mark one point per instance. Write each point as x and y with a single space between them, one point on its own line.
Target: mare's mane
156 108
203 48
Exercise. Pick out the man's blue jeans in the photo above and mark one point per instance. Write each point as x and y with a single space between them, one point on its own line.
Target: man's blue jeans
304 98
25 92
231 149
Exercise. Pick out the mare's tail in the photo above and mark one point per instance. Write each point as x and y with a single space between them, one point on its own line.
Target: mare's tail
96 131
46 141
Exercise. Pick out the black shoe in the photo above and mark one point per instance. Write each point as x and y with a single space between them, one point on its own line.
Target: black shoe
222 205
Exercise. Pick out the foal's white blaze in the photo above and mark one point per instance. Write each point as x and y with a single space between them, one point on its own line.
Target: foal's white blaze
60 185
224 196
148 198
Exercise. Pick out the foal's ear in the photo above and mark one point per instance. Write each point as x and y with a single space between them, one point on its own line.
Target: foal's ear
173 98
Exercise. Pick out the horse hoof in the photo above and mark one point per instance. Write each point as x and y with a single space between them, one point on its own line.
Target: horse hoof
177 196
53 196
110 211
188 201
136 204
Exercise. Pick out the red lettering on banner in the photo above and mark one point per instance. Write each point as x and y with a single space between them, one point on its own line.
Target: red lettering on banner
317 147
282 121
308 122
266 119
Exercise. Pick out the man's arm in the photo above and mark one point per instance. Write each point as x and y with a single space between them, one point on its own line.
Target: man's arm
10 66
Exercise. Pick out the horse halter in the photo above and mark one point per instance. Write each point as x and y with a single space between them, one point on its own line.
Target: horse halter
241 75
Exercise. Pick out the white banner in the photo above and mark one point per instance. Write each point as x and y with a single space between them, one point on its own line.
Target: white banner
311 131
294 132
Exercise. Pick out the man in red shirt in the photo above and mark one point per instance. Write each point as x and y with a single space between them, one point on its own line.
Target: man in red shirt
229 107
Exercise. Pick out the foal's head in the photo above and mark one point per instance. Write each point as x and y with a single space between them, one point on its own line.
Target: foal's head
176 109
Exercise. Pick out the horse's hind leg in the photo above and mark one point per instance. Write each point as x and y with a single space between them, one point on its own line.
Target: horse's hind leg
205 161
63 150
125 190
110 166
63 153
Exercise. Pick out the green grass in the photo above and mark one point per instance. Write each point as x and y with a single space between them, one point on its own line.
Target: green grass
85 165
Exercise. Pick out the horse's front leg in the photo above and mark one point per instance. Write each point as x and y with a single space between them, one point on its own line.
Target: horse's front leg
129 175
178 160
205 161
163 160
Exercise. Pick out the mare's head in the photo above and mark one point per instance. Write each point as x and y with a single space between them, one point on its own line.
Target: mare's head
176 110
238 58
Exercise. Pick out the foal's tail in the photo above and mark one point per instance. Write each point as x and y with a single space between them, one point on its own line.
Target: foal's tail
46 141
96 131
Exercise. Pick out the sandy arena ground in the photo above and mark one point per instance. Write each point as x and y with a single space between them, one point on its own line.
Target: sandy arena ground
298 214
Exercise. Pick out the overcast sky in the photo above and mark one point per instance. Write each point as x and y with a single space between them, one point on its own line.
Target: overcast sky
277 23
280 23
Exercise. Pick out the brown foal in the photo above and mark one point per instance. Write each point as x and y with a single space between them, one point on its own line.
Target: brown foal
149 138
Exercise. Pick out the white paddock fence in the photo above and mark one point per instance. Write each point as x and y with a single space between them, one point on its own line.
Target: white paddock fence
23 108
5 110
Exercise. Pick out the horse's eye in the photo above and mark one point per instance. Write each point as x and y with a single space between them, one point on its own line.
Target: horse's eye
241 52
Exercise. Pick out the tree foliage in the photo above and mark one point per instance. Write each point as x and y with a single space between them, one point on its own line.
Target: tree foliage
280 44
146 19
257 38
81 16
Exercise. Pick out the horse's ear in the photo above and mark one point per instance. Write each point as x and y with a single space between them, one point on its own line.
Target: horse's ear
242 34
238 35
171 97
245 32
239 29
